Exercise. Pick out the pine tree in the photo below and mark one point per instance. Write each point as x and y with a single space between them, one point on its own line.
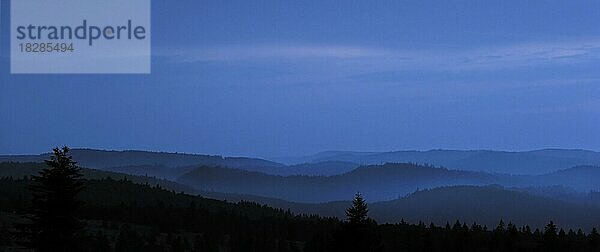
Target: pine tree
550 237
54 224
357 214
359 233
500 228
550 230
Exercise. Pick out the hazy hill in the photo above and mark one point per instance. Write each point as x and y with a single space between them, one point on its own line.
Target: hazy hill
583 178
382 182
160 164
387 182
569 153
173 165
527 162
485 205
20 170
558 192
326 168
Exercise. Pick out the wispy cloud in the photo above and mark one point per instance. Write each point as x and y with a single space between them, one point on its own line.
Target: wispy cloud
271 53
517 55
587 106
563 52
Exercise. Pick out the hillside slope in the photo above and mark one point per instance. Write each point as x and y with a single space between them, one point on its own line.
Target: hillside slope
484 205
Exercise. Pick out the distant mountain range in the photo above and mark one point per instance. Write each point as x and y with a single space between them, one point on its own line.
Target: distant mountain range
331 176
159 164
27 169
582 178
525 162
442 196
378 182
173 165
325 168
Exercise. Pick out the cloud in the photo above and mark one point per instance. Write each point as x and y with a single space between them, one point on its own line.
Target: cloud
310 64
271 53
586 106
517 55
527 54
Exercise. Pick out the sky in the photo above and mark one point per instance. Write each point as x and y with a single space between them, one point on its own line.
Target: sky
286 78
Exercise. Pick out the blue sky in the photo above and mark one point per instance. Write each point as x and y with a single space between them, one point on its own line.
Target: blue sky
278 78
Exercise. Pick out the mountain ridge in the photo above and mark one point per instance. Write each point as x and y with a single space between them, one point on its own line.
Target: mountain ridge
534 162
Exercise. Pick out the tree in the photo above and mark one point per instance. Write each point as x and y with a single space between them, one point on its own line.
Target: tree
54 224
357 213
550 237
359 233
594 239
550 230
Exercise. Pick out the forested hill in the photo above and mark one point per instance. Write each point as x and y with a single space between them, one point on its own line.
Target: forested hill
381 182
20 170
485 205
160 164
173 165
580 177
525 162
126 216
122 216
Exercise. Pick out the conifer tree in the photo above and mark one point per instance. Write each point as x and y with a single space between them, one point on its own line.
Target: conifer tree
501 227
550 237
54 224
550 230
359 233
357 213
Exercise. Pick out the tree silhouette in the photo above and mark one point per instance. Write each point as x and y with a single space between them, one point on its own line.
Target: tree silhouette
357 213
359 232
550 237
594 238
54 205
